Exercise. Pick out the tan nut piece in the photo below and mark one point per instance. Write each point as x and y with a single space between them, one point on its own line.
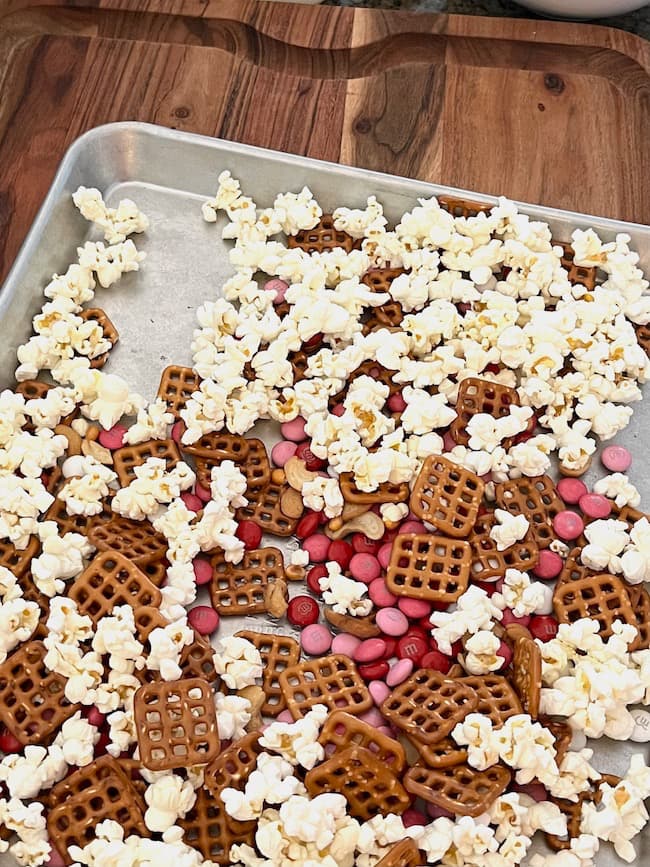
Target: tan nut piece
276 598
256 696
297 473
93 449
73 438
370 524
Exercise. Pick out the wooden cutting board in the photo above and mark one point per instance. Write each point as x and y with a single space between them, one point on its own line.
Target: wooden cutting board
544 112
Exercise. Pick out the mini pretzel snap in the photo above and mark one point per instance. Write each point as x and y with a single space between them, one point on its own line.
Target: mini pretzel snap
460 789
330 680
537 499
447 496
428 566
481 396
177 384
240 588
127 458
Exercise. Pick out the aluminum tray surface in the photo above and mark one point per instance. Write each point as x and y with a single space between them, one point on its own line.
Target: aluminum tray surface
169 174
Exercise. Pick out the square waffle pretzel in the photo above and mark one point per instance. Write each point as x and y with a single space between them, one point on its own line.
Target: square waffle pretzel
369 786
477 395
206 829
640 601
600 597
427 566
32 700
342 730
135 540
126 459
526 674
537 499
255 466
460 789
427 705
176 724
109 580
240 588
264 510
278 652
496 698
643 337
402 854
390 314
488 563
387 492
463 207
373 369
447 496
222 445
322 237
578 274
330 680
177 384
95 314
17 561
233 767
95 793
65 522
443 754
573 811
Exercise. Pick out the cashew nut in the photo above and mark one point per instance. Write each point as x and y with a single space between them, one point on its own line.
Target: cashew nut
276 598
295 572
350 511
297 473
370 524
95 450
73 438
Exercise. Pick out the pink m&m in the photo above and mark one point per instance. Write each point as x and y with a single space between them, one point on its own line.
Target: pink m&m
365 567
317 546
396 402
595 506
571 490
192 502
392 621
383 555
616 459
294 430
345 643
370 650
279 287
380 594
202 493
204 619
316 639
282 451
399 672
113 438
285 716
414 608
549 565
568 525
378 690
202 570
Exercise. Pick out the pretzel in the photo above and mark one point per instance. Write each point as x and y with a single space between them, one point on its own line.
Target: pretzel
628 514
444 754
126 459
94 314
477 395
460 789
109 580
264 510
427 705
387 492
369 786
342 730
53 479
640 602
206 828
176 724
146 619
402 854
219 445
562 733
233 767
32 389
135 540
643 337
32 700
17 561
447 496
240 588
374 370
67 523
277 652
426 566
255 466
95 793
390 314
197 660
580 275
177 385
496 697
526 674
537 499
156 571
488 563
463 207
573 811
362 627
600 597
330 680
322 237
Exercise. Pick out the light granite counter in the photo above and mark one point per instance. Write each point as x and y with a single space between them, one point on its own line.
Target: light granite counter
635 22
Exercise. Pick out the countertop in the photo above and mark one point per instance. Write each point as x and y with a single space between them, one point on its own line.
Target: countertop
635 22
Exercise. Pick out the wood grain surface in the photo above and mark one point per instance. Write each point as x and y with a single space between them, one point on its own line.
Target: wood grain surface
545 112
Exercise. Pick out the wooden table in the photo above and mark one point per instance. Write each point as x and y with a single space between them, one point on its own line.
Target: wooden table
544 112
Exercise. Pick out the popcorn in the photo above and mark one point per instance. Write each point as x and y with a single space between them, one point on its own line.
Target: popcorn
238 662
152 487
323 494
168 798
151 424
61 558
117 223
166 644
425 412
360 223
28 822
109 263
520 594
635 562
510 529
21 503
37 769
115 635
618 487
474 612
606 540
297 742
343 593
233 715
109 847
77 739
18 620
87 487
481 653
271 782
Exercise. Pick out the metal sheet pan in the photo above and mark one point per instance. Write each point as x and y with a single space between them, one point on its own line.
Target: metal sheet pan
169 174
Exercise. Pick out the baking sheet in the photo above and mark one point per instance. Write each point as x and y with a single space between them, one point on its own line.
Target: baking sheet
169 174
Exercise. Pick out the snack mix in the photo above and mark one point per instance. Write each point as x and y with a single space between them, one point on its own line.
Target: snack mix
414 681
